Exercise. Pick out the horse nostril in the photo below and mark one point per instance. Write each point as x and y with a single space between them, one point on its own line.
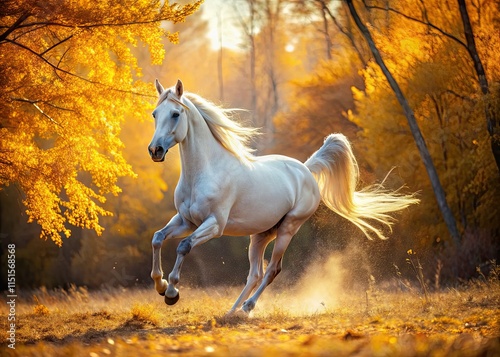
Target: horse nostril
156 151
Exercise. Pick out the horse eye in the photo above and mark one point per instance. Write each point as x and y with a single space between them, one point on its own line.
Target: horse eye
153 114
175 115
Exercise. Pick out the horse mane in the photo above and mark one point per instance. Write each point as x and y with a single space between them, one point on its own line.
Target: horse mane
232 135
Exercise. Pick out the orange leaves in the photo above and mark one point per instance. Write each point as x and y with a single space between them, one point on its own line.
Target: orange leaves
437 76
72 81
43 205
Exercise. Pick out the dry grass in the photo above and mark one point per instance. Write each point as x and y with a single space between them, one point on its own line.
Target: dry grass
456 322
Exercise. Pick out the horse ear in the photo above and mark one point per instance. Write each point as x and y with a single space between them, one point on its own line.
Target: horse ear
159 87
179 88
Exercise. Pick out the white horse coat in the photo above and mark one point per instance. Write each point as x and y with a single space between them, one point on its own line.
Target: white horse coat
224 189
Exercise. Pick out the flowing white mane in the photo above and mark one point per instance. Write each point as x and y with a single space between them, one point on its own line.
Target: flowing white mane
232 135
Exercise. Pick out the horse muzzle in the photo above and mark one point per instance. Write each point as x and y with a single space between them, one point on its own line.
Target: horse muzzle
157 153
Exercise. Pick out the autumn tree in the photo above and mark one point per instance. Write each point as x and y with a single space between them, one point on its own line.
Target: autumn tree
487 13
437 187
441 86
68 78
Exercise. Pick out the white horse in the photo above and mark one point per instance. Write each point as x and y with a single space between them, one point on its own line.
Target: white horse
224 189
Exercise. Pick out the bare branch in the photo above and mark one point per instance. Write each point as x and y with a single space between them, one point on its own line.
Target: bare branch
42 101
344 31
62 57
457 95
423 22
39 56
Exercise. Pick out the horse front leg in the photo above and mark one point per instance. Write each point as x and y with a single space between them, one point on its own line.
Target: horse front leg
157 272
209 229
176 228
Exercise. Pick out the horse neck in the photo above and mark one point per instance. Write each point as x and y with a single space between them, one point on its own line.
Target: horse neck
200 150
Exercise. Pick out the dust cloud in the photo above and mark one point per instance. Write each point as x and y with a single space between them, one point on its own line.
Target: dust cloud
322 286
317 291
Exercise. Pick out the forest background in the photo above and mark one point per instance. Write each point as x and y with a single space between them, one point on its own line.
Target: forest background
75 123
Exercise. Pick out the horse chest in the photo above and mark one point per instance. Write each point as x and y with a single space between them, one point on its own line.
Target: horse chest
196 202
193 212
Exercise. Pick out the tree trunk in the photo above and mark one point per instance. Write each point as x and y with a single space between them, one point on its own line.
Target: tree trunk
328 40
249 26
415 130
272 12
491 120
253 85
219 59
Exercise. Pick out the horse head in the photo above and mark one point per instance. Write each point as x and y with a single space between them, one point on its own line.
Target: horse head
171 122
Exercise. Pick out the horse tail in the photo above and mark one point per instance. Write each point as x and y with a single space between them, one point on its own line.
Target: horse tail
336 171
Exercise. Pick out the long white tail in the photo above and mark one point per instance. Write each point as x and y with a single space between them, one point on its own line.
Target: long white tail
336 171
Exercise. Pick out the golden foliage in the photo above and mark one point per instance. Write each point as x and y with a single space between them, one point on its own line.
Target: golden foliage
69 78
438 79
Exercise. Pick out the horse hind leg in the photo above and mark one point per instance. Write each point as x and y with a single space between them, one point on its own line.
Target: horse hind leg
258 244
286 231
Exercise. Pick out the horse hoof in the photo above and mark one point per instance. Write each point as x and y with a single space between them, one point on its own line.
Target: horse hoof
248 306
171 301
162 294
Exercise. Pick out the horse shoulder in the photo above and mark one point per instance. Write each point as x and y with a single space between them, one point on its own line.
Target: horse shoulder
208 195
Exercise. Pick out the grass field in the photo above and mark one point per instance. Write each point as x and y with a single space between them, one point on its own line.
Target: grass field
135 322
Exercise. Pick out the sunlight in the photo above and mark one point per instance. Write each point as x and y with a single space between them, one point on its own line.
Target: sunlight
219 21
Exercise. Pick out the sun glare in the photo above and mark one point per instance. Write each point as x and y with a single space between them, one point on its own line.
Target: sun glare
221 27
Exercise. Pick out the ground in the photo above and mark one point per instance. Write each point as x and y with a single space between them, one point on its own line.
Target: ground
460 321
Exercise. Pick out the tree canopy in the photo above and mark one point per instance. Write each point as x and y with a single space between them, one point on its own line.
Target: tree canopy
69 77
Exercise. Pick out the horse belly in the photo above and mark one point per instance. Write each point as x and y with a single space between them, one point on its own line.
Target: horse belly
252 223
258 211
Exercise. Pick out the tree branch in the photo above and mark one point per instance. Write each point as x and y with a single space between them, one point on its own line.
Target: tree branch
344 31
457 95
14 26
427 22
41 101
34 103
490 114
56 68
55 45
90 26
27 31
